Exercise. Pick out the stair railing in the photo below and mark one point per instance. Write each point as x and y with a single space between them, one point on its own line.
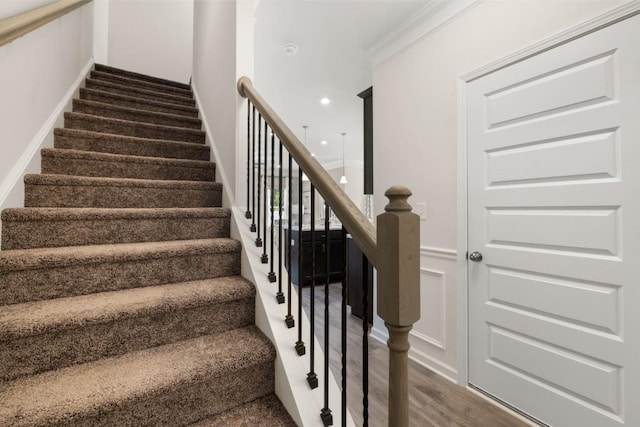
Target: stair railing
18 25
392 248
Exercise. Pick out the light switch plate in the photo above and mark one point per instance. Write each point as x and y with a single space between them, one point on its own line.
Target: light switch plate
421 210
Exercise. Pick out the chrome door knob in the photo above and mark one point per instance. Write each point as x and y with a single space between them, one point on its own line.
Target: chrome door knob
475 256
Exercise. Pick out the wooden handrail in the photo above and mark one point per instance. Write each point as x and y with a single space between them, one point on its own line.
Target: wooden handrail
360 228
18 25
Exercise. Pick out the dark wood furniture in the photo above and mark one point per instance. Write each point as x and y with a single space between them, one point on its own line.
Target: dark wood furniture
367 97
355 260
302 241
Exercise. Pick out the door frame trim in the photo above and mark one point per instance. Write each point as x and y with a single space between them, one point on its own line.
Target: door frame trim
609 18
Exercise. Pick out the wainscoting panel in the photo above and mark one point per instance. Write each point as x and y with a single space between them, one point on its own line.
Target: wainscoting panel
433 338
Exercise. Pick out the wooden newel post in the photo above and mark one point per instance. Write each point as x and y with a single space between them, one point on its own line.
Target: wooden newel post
398 265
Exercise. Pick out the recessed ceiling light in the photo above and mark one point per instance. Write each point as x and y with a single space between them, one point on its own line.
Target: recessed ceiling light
290 49
323 142
325 101
313 154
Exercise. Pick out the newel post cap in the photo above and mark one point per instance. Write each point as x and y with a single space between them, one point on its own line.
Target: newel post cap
242 82
398 196
398 242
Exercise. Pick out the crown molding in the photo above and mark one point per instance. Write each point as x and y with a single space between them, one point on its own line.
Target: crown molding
428 19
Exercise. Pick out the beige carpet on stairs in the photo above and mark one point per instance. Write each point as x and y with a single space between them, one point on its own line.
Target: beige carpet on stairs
121 301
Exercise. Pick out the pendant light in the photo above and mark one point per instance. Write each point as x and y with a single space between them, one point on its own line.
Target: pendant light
304 177
343 178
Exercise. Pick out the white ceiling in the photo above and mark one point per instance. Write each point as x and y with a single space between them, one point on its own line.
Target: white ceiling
332 38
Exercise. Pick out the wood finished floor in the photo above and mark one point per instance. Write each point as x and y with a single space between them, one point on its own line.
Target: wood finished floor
433 400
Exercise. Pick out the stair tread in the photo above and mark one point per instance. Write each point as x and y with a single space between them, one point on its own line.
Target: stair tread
128 81
266 411
40 258
34 318
71 180
178 107
141 142
95 386
170 97
111 157
197 132
70 214
194 121
144 77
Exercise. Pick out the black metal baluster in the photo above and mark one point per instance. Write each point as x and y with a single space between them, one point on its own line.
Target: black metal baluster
257 212
312 378
265 258
288 320
253 171
345 287
300 349
325 413
279 295
272 274
365 340
247 214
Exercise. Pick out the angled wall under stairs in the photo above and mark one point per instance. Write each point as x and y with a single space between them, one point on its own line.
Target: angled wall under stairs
120 296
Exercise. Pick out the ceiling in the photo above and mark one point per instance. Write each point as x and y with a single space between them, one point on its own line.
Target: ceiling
332 38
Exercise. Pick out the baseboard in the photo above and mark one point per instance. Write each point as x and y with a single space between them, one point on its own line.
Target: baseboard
228 197
42 139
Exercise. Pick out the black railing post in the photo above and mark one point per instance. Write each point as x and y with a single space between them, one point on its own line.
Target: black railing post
272 274
265 258
312 377
253 170
325 414
343 323
300 349
365 340
257 213
279 295
247 214
288 320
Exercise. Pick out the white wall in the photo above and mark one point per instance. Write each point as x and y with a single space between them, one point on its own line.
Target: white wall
13 7
101 31
37 73
223 52
415 115
152 37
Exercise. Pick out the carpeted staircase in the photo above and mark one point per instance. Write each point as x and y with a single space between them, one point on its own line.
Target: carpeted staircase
121 302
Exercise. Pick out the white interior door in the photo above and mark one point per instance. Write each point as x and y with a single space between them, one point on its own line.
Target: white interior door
554 208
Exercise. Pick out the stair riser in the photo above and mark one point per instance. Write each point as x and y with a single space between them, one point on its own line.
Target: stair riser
70 196
41 234
143 77
139 116
129 102
104 144
139 93
58 349
48 283
138 130
97 168
185 403
125 81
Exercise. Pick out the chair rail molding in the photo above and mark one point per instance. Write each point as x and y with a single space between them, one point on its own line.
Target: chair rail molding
427 20
450 254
